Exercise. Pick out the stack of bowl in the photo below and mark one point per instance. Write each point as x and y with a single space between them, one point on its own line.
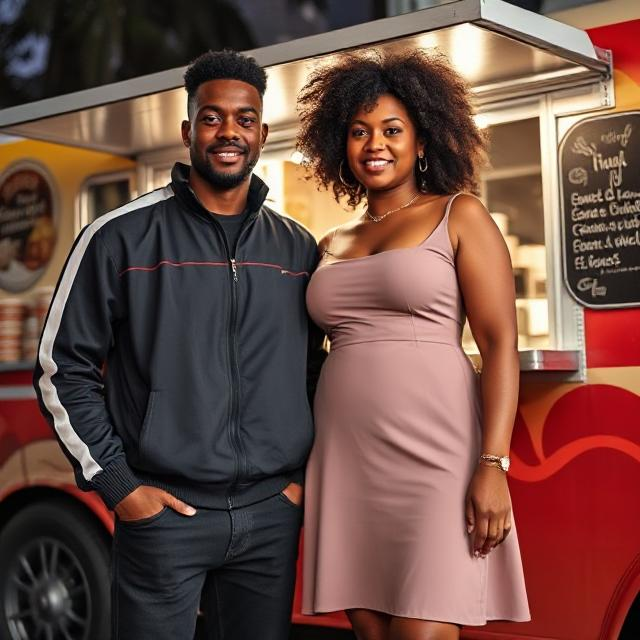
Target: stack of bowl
11 318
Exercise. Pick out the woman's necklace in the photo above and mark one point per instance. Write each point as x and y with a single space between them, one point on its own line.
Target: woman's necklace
388 213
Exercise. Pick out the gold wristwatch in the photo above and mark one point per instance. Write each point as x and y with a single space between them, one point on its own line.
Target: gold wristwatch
502 462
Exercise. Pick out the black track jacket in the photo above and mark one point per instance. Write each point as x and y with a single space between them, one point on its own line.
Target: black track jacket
166 361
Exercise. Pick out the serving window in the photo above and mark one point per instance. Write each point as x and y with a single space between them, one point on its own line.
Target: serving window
520 189
511 189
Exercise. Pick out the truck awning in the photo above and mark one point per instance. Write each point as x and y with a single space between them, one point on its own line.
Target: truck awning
503 51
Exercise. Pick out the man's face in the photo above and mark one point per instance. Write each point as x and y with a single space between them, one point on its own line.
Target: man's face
225 133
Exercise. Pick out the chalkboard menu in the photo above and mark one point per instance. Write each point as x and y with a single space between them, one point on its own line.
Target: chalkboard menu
600 182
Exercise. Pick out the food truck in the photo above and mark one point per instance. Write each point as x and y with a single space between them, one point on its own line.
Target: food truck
561 108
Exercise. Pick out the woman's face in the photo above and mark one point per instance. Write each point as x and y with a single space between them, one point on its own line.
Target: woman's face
382 146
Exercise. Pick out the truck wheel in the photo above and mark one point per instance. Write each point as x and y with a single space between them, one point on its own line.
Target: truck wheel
54 575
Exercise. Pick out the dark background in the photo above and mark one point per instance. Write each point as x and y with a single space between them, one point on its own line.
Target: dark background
53 47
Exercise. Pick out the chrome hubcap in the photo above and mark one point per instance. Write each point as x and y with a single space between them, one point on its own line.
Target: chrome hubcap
47 593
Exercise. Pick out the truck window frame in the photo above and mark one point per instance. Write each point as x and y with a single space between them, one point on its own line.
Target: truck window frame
82 217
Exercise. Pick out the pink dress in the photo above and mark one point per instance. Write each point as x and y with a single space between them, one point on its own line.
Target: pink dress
397 414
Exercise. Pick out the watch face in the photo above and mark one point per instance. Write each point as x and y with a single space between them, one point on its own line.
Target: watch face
504 463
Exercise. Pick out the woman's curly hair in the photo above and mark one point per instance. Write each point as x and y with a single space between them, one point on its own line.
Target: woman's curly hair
435 96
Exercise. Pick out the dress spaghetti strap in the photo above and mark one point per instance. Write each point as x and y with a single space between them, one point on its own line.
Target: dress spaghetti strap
327 250
448 207
440 235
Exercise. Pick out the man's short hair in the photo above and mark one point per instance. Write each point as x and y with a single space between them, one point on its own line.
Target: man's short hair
222 65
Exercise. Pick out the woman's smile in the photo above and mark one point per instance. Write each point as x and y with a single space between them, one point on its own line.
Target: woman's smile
376 165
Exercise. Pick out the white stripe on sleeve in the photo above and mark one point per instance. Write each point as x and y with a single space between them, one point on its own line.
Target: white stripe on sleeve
62 424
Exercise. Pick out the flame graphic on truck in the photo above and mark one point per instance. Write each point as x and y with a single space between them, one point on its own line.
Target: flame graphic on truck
543 447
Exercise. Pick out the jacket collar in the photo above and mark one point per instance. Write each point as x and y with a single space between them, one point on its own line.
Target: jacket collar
180 183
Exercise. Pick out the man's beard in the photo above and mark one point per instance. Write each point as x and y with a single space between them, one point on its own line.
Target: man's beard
222 179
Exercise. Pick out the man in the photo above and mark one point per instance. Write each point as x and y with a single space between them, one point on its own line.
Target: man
173 370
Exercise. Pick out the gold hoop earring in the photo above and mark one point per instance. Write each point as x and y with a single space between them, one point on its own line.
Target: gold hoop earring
359 189
344 182
421 168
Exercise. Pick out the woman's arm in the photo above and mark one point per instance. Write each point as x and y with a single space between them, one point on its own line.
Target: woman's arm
486 281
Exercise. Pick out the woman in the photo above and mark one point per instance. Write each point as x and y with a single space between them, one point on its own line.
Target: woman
408 521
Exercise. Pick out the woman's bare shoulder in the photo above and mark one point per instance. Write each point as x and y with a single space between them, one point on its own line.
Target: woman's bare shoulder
468 208
325 242
470 221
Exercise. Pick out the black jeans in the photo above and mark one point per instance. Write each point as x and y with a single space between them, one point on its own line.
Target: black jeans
238 566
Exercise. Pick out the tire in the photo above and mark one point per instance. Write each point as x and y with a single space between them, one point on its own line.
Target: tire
54 575
631 628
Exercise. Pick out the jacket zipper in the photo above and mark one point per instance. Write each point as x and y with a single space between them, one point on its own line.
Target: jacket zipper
234 374
234 425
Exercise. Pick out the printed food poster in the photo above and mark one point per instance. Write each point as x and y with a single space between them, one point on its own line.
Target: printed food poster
27 226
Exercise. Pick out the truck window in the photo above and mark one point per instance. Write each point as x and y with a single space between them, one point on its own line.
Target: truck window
511 188
104 193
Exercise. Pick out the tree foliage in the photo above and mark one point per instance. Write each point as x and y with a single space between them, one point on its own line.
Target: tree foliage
59 46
